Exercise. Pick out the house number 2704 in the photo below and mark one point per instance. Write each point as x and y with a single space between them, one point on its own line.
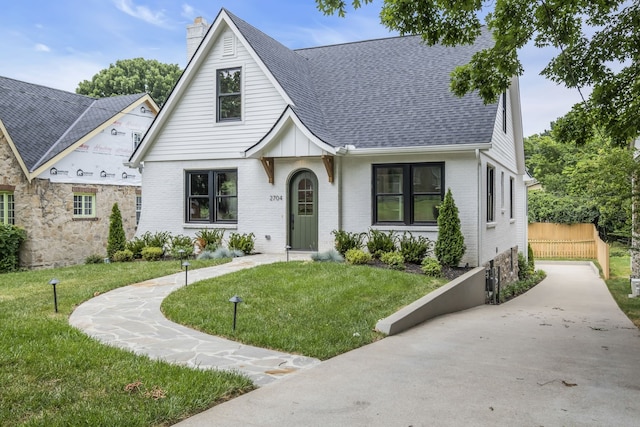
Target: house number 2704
275 198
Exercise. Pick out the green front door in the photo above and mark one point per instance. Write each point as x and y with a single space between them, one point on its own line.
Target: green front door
303 212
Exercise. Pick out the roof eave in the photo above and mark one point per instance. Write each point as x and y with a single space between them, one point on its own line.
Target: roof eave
443 149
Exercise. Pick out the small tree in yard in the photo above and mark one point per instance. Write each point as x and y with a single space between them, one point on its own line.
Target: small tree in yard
450 244
117 239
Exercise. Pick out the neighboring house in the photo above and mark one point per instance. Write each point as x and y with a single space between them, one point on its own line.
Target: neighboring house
293 144
61 157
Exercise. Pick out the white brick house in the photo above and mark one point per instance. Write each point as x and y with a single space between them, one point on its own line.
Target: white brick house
293 144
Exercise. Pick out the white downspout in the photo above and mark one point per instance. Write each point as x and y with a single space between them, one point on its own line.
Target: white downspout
479 204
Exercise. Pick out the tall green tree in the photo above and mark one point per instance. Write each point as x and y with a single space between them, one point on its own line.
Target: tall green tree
117 239
450 246
131 76
597 41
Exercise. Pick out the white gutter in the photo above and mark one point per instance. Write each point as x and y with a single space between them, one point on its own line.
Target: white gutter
353 151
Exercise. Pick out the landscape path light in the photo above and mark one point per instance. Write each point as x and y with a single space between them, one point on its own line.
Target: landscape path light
287 248
186 271
235 300
54 282
181 255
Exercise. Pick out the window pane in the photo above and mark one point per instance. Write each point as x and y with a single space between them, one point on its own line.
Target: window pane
230 107
199 184
3 218
199 208
227 183
10 209
425 208
229 81
87 205
227 208
388 180
426 179
390 208
77 205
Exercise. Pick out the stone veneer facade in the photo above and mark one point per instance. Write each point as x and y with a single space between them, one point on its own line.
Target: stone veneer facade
508 263
45 210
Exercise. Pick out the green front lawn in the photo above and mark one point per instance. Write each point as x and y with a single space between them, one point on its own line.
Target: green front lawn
619 284
314 309
53 375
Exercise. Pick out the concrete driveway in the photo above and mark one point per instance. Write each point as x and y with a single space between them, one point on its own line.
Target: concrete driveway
563 354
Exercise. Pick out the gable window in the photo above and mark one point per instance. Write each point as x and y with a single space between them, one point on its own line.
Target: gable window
228 94
212 196
491 194
407 193
84 205
137 138
7 208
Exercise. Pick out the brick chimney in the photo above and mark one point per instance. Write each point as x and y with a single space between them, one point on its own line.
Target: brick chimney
195 34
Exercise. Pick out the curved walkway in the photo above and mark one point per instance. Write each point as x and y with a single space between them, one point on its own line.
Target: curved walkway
130 318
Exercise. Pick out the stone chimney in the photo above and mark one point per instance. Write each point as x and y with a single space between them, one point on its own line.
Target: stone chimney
195 34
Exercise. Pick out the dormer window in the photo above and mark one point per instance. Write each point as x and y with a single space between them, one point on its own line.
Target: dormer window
228 94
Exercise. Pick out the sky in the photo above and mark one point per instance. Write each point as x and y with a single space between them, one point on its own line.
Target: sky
63 42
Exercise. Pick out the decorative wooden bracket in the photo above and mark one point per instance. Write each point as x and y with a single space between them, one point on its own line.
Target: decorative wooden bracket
328 165
267 164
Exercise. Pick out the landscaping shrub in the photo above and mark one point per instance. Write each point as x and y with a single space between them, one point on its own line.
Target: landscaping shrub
530 261
357 256
431 267
345 240
394 260
122 256
136 245
380 242
11 237
450 245
117 239
242 242
94 259
209 239
181 242
331 255
159 239
220 253
414 249
152 253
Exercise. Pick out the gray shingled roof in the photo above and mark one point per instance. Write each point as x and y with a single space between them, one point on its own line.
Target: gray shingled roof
391 92
42 122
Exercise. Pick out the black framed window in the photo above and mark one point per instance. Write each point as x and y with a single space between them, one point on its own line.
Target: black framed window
229 94
407 193
211 196
491 194
504 112
512 196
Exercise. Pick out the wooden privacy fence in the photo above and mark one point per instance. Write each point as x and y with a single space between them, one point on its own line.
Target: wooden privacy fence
573 241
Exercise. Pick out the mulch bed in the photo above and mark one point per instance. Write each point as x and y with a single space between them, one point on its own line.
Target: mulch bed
449 273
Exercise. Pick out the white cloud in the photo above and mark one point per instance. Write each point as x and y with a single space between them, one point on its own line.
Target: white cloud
188 11
142 12
39 47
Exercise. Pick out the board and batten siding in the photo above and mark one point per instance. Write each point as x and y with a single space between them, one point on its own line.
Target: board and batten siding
191 132
503 148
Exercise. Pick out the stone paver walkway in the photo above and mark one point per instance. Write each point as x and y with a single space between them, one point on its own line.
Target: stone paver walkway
130 318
